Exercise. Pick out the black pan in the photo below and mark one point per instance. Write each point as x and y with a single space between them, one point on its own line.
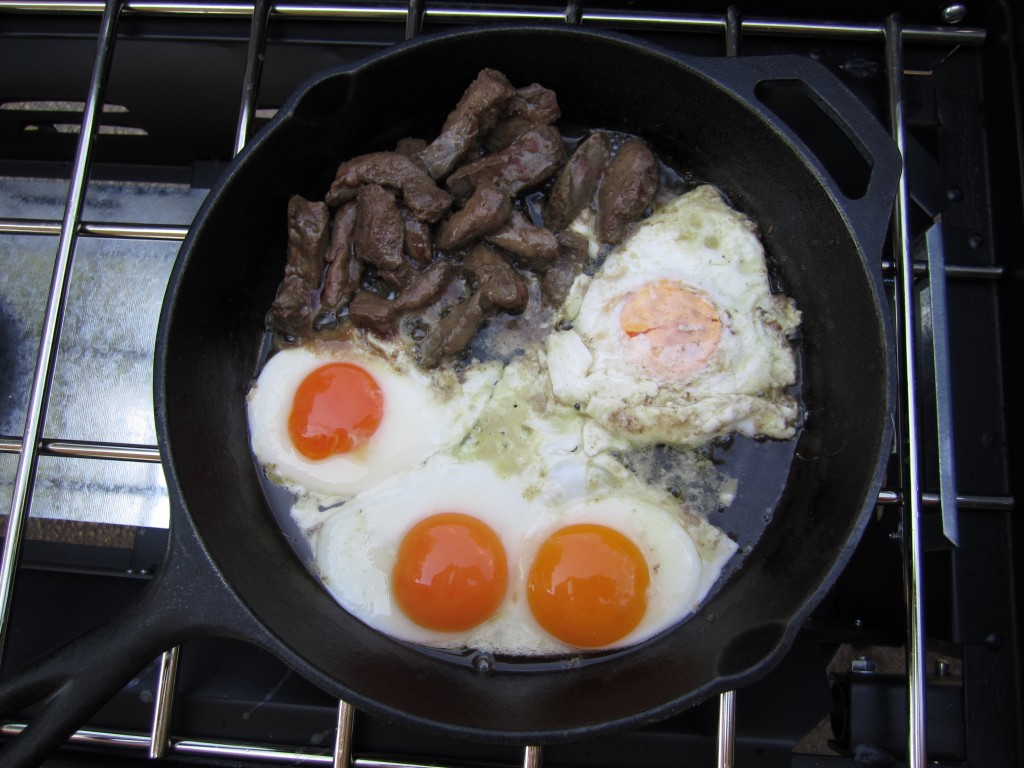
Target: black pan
230 571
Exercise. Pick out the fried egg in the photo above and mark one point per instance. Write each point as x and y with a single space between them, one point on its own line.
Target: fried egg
336 418
454 555
678 338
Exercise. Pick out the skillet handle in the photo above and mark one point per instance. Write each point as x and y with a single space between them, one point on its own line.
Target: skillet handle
756 78
186 599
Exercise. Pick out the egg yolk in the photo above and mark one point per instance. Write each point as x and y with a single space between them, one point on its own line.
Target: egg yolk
681 327
336 409
588 585
451 572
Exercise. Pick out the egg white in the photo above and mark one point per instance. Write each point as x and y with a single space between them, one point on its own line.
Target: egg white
699 242
356 545
422 415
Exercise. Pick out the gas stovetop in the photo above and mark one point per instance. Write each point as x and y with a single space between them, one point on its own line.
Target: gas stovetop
914 655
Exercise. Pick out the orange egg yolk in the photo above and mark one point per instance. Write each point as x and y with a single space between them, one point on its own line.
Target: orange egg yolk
451 572
588 585
682 327
336 409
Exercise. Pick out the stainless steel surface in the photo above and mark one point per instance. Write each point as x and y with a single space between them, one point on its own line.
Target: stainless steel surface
343 735
42 378
253 68
935 316
159 738
727 729
533 757
495 12
905 313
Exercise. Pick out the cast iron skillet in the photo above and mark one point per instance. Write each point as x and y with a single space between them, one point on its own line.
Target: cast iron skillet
230 571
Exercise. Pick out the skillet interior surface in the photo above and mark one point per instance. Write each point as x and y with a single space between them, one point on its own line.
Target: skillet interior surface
213 325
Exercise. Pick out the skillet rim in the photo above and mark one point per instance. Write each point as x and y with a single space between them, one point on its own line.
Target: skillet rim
311 669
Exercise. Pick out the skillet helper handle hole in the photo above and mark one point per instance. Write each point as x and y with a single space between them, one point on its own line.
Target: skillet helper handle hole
842 156
850 146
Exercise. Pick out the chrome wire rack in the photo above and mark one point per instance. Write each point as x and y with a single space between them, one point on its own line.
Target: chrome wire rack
922 485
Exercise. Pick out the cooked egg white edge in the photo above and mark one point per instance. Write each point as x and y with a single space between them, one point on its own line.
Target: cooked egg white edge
698 240
356 546
420 418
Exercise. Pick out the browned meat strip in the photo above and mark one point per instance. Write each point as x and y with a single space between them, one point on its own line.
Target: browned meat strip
496 279
536 103
419 241
525 163
478 110
628 187
308 238
484 212
367 310
410 147
428 285
343 270
401 277
532 105
576 182
507 131
573 251
421 195
454 331
380 232
529 247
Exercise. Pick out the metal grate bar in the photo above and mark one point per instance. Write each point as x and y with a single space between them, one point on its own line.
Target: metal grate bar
164 703
755 26
251 752
141 231
343 735
81 449
253 71
159 737
727 729
53 318
94 229
912 545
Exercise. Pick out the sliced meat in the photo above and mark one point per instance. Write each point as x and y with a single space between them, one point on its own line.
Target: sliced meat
454 332
628 187
419 240
401 277
344 271
573 252
428 285
531 106
536 103
379 235
421 195
410 147
367 310
529 247
476 114
525 163
506 131
308 237
484 212
496 279
576 182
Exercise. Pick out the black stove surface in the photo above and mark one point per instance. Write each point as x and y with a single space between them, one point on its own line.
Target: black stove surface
98 525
